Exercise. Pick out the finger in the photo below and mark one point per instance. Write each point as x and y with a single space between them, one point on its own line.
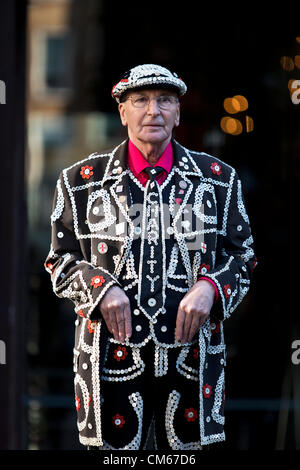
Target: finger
187 325
121 325
179 324
194 328
107 320
114 324
127 317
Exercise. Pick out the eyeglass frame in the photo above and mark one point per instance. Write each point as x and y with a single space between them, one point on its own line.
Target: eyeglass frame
176 100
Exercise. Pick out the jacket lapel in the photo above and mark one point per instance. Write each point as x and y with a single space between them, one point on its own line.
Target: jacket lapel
116 182
187 176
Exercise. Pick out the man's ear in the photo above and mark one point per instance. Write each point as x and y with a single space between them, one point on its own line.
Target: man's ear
177 116
122 111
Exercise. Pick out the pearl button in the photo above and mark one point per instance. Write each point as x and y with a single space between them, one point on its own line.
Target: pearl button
85 366
239 228
60 235
138 328
96 210
151 302
164 328
208 203
136 311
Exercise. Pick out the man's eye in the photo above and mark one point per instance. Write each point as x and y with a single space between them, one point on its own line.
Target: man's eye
141 100
164 99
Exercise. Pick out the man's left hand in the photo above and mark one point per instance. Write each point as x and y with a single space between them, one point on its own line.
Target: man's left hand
193 310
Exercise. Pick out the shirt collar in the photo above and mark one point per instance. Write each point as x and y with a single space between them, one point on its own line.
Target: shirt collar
137 163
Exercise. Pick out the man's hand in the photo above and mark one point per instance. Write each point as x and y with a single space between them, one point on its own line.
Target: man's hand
193 310
115 309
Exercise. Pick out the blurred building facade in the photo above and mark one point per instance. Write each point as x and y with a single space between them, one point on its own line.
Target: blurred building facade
75 53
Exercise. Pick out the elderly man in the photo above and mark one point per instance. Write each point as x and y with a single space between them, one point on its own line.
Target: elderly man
151 241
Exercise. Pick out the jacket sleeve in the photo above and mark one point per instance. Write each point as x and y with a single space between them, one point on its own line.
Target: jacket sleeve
72 275
235 257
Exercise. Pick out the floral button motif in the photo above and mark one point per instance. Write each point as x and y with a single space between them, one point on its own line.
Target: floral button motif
86 172
206 390
204 268
215 327
97 281
196 352
120 353
190 414
216 168
227 290
118 421
91 326
77 403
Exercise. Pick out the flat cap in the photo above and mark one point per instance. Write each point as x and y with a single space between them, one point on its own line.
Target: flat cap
148 75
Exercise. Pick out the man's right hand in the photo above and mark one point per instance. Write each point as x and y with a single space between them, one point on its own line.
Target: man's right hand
115 309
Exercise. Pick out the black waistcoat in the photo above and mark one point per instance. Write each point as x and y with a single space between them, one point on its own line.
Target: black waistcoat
162 329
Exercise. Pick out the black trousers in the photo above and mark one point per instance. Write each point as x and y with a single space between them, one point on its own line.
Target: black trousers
135 401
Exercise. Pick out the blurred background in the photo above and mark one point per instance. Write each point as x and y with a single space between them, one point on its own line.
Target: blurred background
58 62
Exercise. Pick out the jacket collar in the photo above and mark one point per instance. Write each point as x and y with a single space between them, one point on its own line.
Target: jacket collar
117 163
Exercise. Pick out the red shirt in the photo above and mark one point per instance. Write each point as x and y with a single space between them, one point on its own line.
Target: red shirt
137 163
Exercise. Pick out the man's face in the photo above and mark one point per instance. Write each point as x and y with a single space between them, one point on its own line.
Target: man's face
151 123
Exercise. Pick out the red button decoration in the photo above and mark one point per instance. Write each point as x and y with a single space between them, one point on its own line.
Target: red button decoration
190 414
216 168
227 291
86 172
118 421
206 390
120 353
97 281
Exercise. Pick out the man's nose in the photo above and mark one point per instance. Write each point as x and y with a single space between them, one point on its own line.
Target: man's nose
153 107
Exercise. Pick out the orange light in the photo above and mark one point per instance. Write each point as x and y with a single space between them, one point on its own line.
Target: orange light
297 61
231 125
292 85
287 63
229 106
298 39
249 124
236 104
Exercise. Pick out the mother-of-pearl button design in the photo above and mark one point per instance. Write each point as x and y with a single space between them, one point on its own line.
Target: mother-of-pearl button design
151 302
208 203
138 328
136 311
60 234
239 228
96 210
164 328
